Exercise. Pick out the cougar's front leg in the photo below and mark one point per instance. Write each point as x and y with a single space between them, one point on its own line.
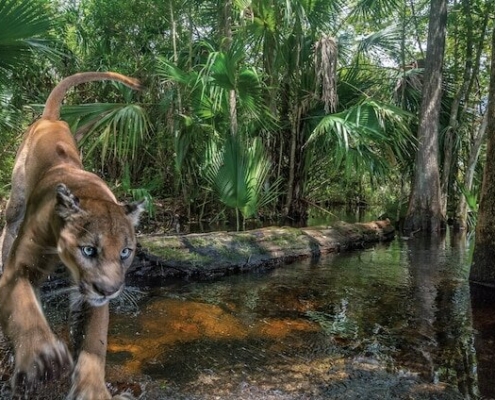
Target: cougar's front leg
89 331
39 355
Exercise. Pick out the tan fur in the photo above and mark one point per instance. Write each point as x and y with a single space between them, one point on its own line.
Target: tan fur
58 212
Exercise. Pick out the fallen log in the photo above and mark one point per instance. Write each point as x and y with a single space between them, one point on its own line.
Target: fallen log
161 258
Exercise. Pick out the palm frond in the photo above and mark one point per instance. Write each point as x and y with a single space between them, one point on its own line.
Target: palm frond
325 13
24 26
239 174
375 9
167 71
9 118
380 45
367 136
119 128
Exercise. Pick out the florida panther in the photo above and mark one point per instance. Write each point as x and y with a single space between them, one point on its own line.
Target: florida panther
58 212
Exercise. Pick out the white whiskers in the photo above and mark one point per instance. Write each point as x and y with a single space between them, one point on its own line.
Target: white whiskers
128 300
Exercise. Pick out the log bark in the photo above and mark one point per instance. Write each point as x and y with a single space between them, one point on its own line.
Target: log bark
209 255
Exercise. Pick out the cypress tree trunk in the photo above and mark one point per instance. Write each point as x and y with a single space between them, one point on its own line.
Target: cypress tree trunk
449 153
425 209
479 137
483 267
474 152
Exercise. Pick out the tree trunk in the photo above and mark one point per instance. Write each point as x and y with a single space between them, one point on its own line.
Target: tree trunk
460 100
296 208
425 210
483 269
474 151
225 30
478 137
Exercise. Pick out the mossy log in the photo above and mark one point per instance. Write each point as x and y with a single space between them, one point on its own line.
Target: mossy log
208 255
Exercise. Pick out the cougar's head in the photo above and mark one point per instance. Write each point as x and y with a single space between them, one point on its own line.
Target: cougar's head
97 243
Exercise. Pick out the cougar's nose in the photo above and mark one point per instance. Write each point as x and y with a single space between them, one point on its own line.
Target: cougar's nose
106 290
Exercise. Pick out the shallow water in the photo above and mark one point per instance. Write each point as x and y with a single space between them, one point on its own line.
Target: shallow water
393 321
396 321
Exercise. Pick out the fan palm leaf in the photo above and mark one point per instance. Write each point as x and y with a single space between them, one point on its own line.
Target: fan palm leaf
375 9
24 25
382 44
370 136
117 130
239 173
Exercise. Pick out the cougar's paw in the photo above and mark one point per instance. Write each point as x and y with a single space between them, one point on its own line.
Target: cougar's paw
90 395
93 388
124 396
38 362
88 380
79 392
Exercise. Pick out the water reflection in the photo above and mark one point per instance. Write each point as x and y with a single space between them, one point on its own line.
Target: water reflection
483 306
392 322
443 314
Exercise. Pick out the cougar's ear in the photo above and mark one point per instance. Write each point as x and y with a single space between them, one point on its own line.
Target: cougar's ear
134 210
67 204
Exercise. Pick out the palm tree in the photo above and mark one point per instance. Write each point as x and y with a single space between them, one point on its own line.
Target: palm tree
115 132
283 75
317 70
206 92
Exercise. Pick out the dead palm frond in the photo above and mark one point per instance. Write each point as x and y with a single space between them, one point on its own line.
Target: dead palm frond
325 61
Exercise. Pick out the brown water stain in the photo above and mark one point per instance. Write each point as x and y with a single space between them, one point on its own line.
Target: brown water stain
166 322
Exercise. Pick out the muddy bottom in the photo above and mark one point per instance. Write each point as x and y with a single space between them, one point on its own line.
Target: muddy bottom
190 350
392 322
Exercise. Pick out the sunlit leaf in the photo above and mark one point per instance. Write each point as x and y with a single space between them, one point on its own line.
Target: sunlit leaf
239 175
118 130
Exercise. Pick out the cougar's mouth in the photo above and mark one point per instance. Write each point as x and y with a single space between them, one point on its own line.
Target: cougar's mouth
97 301
95 296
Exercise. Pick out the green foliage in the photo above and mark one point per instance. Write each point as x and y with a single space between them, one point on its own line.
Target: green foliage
115 130
369 137
23 23
251 71
25 27
472 202
206 89
24 35
239 175
136 193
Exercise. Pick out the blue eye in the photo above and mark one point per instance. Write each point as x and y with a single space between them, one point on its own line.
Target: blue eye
125 253
89 251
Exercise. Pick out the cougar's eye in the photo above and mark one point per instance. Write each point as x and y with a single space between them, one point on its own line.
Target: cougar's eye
88 251
125 253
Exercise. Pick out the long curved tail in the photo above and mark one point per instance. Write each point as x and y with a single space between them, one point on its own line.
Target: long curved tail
52 106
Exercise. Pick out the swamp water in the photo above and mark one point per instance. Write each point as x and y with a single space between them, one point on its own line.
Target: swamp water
396 321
